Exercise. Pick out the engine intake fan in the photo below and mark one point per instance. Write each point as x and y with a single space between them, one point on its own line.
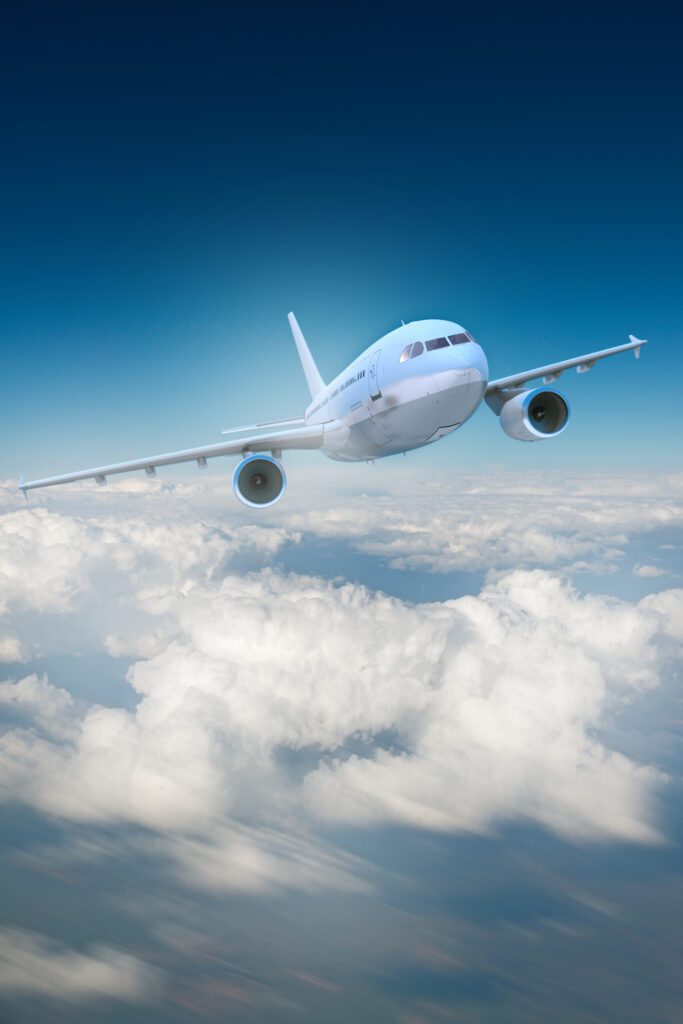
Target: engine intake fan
259 481
534 415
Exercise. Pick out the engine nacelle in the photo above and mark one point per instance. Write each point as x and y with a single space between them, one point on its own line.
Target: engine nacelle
534 415
259 481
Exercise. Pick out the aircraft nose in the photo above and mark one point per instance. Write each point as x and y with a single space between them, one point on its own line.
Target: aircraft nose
479 362
453 358
451 365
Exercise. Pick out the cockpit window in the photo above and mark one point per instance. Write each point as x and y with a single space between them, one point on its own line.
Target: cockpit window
436 343
418 349
459 339
405 354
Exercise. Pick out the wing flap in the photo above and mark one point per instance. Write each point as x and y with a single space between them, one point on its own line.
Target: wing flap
302 437
554 371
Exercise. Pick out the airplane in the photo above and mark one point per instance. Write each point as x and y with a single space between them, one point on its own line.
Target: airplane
411 388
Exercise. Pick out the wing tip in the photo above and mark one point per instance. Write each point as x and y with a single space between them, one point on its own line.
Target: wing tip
637 344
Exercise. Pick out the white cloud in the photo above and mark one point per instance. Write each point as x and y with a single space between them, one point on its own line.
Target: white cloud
252 667
47 706
269 702
10 649
649 571
510 732
41 559
493 700
450 522
98 569
34 966
666 605
417 519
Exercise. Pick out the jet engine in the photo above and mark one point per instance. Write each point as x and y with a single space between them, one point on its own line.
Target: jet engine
534 415
259 481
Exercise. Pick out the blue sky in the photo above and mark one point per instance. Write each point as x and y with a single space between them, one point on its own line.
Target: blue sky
175 184
405 747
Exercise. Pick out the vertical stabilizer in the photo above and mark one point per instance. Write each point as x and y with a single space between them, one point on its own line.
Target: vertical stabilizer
313 378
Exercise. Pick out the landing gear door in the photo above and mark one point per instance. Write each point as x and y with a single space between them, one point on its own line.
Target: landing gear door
373 375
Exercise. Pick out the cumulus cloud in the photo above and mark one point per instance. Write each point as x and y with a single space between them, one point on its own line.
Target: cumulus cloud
510 732
269 703
492 704
41 556
58 565
666 605
649 571
33 965
10 649
256 662
45 705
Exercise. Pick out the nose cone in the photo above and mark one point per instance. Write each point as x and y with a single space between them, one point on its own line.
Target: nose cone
478 361
460 358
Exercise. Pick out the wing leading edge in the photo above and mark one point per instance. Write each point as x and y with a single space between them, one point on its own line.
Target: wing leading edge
302 437
553 371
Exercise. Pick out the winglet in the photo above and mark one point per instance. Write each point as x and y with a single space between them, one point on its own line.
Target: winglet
636 342
315 382
22 488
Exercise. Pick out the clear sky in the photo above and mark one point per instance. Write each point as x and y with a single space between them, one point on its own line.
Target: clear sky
175 180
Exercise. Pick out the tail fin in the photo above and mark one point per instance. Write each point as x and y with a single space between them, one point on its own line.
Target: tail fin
313 378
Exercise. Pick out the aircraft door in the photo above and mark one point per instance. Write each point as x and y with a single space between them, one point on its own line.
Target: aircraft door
376 427
373 375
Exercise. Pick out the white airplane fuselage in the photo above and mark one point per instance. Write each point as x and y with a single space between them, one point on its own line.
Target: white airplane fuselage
382 404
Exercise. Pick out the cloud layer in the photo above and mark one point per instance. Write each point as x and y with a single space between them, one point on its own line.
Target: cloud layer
467 712
442 522
269 704
268 718
449 522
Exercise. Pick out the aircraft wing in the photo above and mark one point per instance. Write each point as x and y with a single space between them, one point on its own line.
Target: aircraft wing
555 370
297 437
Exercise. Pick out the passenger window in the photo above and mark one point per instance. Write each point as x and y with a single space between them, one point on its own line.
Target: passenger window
436 343
418 349
459 339
405 354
